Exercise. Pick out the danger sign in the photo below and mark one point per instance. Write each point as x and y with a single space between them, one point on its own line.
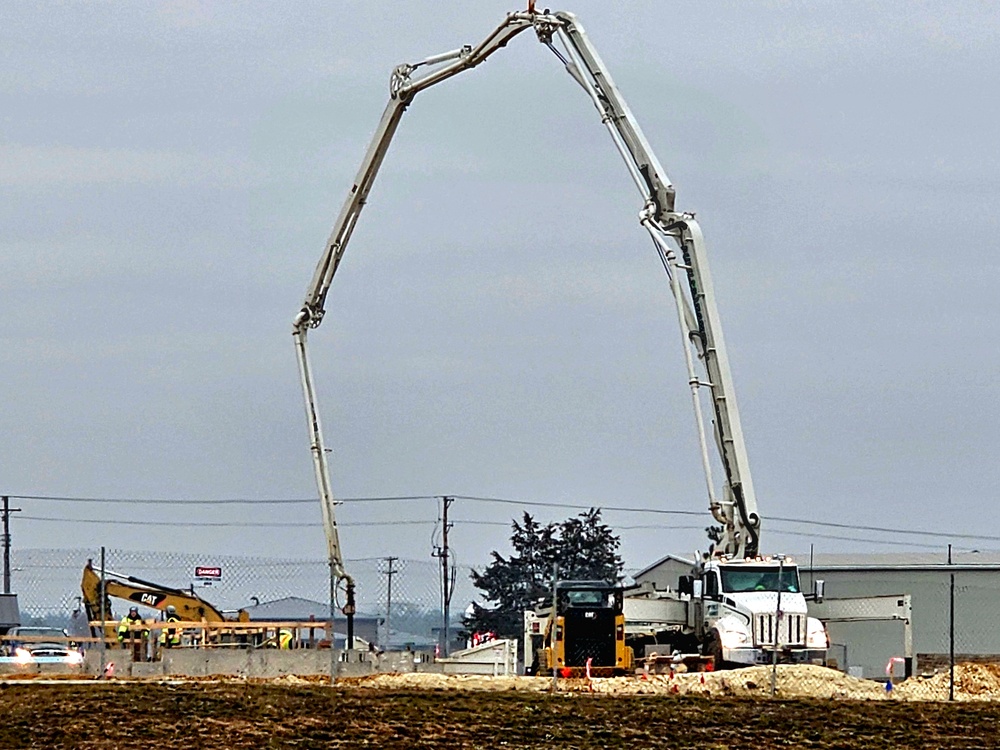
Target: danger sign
205 573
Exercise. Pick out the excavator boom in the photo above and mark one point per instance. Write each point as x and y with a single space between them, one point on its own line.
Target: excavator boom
137 592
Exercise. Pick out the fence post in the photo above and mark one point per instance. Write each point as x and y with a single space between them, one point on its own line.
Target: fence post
555 623
104 599
951 633
777 629
333 636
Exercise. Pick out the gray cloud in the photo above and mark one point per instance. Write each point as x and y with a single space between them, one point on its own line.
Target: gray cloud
500 325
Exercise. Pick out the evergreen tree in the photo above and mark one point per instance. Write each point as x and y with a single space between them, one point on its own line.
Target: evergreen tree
584 548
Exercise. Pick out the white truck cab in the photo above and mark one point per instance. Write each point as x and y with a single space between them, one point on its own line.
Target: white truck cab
750 610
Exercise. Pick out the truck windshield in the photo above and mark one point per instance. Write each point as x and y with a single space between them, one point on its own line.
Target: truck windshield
739 580
39 632
586 598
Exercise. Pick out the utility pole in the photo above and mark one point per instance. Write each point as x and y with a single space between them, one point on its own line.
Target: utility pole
447 577
388 598
7 510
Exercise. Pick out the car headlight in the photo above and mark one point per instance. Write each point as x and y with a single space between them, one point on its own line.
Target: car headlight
816 636
734 638
23 656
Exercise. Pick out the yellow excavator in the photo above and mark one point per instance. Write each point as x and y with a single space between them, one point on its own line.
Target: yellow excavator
137 592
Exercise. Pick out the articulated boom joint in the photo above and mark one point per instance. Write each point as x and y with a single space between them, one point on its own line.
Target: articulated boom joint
308 317
399 78
670 223
545 28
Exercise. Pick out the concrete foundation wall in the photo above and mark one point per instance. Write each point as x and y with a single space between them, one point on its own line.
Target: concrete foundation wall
492 658
246 663
266 663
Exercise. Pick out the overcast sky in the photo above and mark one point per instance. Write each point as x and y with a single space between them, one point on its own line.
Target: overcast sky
500 325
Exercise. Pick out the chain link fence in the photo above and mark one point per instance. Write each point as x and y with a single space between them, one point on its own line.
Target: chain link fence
938 629
963 661
48 584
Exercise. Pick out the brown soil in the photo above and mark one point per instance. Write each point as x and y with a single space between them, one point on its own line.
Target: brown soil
501 713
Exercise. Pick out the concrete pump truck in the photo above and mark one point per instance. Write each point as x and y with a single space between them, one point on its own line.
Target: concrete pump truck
738 606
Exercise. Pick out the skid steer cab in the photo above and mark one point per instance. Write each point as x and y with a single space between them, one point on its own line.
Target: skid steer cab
584 635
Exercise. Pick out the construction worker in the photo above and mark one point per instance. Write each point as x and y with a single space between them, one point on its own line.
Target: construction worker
282 639
170 637
126 633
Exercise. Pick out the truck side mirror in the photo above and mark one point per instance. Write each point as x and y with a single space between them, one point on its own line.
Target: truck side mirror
696 589
684 585
819 588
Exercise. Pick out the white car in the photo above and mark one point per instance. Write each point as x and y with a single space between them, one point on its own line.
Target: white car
25 646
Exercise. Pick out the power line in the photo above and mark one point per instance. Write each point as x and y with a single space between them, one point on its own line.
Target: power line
813 535
882 529
578 506
251 524
216 501
465 522
178 524
493 500
801 521
780 532
240 524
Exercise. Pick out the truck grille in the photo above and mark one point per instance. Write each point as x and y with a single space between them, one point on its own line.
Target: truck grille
590 637
793 630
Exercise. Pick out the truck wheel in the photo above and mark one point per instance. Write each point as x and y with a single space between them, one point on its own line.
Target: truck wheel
714 649
533 669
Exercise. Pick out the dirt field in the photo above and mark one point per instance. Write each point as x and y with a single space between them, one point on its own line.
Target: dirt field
298 713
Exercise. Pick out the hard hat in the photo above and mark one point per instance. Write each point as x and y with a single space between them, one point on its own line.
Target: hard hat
133 609
171 609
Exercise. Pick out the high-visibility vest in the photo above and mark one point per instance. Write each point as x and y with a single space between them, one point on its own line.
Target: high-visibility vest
284 639
125 625
171 636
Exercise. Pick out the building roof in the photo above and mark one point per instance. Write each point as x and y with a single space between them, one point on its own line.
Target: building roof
400 640
831 561
965 560
297 608
661 561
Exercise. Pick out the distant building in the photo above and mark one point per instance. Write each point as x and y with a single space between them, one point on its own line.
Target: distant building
926 577
400 641
663 574
10 615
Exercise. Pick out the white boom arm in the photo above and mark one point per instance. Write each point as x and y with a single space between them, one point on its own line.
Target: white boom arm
696 309
699 318
402 88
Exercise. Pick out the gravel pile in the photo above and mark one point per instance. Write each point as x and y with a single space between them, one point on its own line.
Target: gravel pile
973 682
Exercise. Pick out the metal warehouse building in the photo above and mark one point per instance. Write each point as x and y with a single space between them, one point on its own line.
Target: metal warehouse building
868 645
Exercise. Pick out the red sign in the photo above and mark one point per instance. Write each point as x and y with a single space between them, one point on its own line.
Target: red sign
205 572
